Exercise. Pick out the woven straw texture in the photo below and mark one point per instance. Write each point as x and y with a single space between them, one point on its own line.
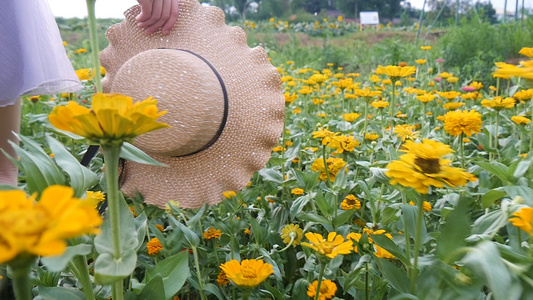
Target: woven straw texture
255 115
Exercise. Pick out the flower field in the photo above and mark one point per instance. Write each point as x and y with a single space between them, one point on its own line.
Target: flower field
397 180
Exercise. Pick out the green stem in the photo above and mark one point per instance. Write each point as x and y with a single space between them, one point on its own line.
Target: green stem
94 45
198 272
496 133
406 235
111 158
418 243
366 119
530 154
462 150
80 263
20 267
324 152
320 274
367 282
391 110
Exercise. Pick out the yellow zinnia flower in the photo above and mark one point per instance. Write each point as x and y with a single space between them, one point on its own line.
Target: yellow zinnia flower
351 117
425 98
328 289
523 219
297 191
212 233
292 231
113 117
406 132
467 122
524 95
154 246
525 70
396 72
520 120
425 47
379 104
499 103
289 98
421 61
344 143
248 273
449 95
41 228
331 247
84 74
325 135
453 105
371 136
350 202
423 166
334 166
229 194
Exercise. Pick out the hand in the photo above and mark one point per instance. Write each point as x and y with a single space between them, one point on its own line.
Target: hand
157 14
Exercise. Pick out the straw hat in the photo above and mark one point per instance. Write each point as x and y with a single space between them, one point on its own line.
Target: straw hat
224 101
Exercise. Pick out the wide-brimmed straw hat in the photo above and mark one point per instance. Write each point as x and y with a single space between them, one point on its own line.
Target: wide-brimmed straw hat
224 101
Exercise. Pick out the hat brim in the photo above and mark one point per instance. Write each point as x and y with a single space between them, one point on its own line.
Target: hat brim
255 114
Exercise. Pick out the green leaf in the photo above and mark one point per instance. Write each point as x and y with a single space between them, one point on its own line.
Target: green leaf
258 231
59 263
154 290
103 242
389 245
522 168
397 277
485 262
298 205
192 238
311 217
107 270
81 178
489 197
323 205
55 293
174 271
497 169
141 225
214 290
522 191
130 152
455 230
271 175
409 212
343 217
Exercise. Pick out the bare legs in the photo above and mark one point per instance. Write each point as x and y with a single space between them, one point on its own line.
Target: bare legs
9 123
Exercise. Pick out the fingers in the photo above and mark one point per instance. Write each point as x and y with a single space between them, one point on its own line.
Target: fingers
156 14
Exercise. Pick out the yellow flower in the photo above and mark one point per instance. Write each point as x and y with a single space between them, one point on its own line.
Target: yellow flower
471 96
379 104
292 231
406 132
321 115
499 103
289 98
339 18
396 72
423 166
524 71
229 194
248 273
318 78
331 247
343 83
334 166
350 202
452 79
65 43
328 289
421 61
425 47
305 90
96 196
160 227
445 75
297 191
367 93
113 117
278 149
425 98
351 117
524 95
467 122
523 219
527 52
371 136
212 233
520 120
41 228
297 111
344 143
453 105
476 85
84 74
222 278
325 135
80 50
154 246
426 206
380 252
449 95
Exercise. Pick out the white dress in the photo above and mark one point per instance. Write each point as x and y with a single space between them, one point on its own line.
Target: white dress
32 56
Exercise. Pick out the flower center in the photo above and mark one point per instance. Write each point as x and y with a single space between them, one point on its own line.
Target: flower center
430 166
326 247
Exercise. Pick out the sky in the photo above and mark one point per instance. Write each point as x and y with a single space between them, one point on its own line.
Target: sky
116 8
